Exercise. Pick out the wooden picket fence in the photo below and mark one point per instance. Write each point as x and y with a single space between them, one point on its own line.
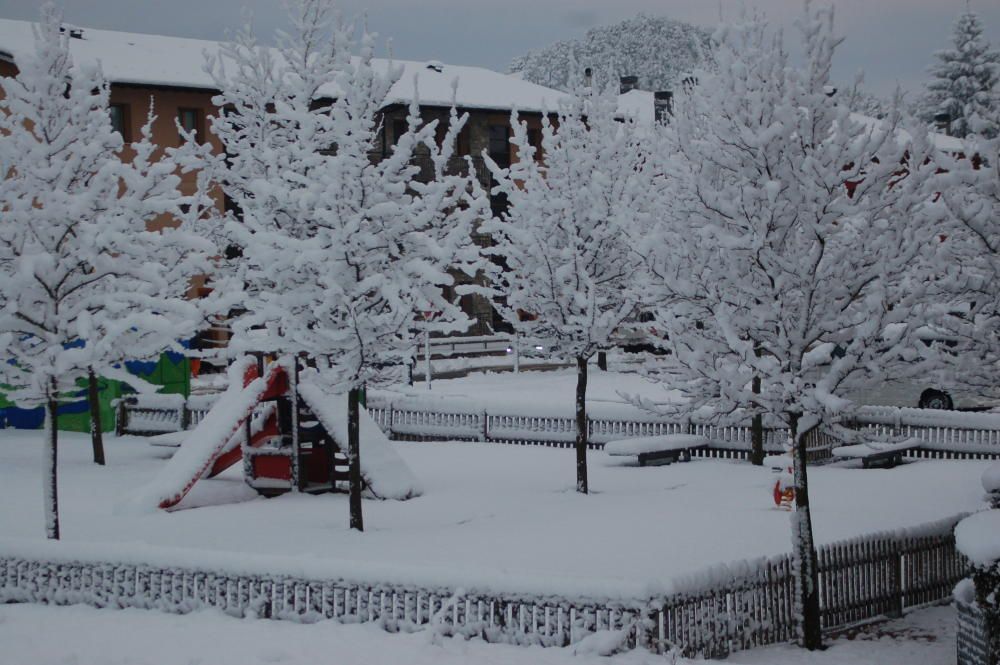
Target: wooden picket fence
726 609
405 422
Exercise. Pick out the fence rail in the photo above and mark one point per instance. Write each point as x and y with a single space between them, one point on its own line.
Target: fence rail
751 604
408 422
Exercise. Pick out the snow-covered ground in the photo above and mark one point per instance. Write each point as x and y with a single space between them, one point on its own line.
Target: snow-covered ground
487 510
551 391
89 636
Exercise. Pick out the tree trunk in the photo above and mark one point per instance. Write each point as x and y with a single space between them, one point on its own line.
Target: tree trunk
757 424
602 361
805 559
581 425
757 440
354 457
96 435
49 475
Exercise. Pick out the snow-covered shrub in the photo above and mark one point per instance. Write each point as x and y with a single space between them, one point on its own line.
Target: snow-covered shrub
978 538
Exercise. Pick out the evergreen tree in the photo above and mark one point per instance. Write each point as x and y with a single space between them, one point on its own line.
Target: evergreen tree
965 83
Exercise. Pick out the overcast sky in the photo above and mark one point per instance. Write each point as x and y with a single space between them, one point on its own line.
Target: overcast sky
892 40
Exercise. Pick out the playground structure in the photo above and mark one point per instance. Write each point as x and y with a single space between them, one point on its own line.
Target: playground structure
290 436
783 491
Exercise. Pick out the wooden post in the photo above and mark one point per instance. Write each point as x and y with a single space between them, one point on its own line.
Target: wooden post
602 361
354 458
94 402
121 417
515 342
427 359
896 580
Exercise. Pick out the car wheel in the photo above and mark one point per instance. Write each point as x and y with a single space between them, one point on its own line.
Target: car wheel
935 399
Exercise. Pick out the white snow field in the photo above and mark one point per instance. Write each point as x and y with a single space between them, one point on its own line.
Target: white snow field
489 512
142 637
550 392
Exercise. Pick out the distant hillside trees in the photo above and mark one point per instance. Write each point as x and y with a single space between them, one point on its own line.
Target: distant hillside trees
659 50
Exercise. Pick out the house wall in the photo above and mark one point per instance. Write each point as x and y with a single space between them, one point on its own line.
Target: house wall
167 103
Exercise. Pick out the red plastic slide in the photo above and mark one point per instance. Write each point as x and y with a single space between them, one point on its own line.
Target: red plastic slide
207 452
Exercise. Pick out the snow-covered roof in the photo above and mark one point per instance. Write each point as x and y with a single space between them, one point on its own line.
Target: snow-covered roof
157 60
639 105
940 141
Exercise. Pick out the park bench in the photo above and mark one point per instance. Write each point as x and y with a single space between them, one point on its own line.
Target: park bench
872 455
657 450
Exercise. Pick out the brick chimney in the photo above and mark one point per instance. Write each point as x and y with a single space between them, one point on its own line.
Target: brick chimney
628 83
663 105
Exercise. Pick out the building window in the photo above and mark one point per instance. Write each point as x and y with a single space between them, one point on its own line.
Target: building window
119 120
399 127
464 145
499 145
191 120
535 141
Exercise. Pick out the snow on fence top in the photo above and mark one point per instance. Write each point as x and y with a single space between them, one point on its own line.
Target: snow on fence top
440 579
158 60
468 581
890 415
157 400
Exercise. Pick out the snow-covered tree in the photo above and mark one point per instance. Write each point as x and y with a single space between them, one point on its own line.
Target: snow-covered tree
969 205
965 81
792 248
659 50
571 276
80 274
340 252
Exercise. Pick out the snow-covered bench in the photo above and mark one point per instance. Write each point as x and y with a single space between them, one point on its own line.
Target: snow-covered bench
886 455
657 450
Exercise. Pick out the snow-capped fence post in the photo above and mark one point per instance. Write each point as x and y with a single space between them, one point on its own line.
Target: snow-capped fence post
896 581
121 416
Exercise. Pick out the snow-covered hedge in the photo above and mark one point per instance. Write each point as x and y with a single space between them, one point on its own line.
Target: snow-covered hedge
978 538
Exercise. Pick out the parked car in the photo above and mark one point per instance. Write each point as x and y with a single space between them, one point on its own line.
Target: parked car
641 335
923 395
